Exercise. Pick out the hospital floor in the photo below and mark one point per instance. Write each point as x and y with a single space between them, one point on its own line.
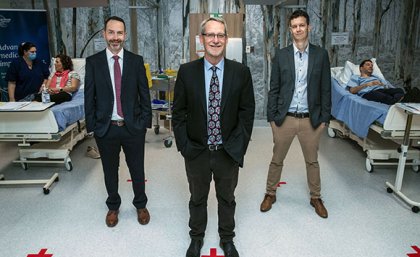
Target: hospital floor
364 220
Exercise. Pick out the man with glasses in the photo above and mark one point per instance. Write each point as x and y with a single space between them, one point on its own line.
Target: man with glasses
299 104
213 118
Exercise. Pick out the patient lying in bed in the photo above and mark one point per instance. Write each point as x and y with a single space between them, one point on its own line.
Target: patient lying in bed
374 88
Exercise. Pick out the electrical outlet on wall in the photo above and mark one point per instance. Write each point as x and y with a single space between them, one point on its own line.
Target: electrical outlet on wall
248 49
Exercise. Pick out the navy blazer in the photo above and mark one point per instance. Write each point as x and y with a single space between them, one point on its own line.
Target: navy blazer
282 85
99 96
190 109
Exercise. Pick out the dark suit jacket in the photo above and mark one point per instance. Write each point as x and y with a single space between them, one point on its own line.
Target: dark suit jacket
282 85
190 109
99 96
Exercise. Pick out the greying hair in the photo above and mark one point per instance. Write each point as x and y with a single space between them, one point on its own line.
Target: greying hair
217 19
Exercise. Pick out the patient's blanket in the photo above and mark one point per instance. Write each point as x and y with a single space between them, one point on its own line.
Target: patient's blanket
357 113
70 112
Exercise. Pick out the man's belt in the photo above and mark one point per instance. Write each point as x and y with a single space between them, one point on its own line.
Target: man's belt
299 115
118 123
215 147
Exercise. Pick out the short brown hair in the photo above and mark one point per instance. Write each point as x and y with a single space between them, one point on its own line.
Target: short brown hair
65 61
114 18
299 13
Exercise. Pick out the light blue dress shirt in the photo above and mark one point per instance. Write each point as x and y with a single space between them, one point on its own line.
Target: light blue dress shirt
300 96
356 80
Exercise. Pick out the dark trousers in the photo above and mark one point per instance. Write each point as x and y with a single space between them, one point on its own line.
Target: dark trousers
56 98
385 95
109 147
217 165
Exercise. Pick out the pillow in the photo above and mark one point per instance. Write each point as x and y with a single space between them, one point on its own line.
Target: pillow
350 69
336 72
376 71
79 67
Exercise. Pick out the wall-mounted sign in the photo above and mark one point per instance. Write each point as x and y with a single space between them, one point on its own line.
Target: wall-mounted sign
340 38
99 44
199 48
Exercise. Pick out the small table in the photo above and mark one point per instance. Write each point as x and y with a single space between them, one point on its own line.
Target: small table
410 109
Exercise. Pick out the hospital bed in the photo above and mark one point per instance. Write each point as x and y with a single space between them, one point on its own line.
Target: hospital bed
378 128
45 134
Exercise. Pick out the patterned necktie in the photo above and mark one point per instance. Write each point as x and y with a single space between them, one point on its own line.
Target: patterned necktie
117 82
213 114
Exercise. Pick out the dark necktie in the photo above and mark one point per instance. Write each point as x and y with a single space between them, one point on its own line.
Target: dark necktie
117 82
213 114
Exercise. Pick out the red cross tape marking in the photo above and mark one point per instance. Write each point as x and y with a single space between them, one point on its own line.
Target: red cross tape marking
42 253
416 254
213 253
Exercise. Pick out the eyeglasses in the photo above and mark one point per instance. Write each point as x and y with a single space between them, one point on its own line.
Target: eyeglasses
213 36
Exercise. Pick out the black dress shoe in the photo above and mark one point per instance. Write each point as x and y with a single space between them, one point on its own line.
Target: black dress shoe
195 248
229 249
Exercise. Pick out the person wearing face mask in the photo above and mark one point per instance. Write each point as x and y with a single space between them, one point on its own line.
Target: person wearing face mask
26 74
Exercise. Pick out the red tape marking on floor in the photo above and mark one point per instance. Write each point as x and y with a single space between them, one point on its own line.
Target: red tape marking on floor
213 253
281 183
41 253
415 248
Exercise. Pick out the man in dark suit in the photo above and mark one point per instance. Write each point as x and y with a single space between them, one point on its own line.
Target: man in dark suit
118 111
213 118
299 104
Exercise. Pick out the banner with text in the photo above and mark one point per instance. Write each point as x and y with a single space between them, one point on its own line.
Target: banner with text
16 27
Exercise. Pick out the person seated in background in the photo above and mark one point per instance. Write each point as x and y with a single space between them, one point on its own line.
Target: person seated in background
373 88
26 74
63 83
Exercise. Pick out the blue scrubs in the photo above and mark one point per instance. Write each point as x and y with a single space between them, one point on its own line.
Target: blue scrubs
28 81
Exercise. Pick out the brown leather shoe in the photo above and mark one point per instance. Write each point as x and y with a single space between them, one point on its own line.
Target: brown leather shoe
143 216
112 218
267 202
317 203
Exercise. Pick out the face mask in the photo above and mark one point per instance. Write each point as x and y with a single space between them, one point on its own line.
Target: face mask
32 56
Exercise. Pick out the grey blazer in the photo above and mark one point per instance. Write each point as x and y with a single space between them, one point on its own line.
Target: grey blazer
282 85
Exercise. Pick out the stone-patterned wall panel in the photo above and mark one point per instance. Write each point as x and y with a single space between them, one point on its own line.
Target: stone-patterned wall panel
147 36
256 62
172 38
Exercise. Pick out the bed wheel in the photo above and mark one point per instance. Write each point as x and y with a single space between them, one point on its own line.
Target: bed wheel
369 166
389 190
168 142
157 129
69 165
331 132
46 191
415 209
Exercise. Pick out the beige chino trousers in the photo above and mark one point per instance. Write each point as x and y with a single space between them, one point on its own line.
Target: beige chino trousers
309 141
